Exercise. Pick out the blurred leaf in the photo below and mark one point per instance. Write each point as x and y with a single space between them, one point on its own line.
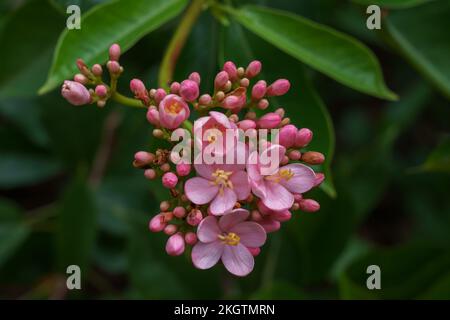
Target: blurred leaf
406 272
121 22
440 289
393 4
13 230
76 225
27 40
439 159
302 103
421 35
337 55
21 169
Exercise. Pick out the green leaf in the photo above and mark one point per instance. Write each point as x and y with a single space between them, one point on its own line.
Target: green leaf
421 36
121 22
13 231
393 4
337 55
439 159
21 169
76 225
302 103
406 272
28 38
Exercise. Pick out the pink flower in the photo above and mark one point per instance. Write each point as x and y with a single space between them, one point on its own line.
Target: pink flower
189 90
173 110
222 185
213 125
75 93
228 239
277 188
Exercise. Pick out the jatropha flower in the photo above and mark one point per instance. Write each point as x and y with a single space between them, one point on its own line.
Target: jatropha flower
219 210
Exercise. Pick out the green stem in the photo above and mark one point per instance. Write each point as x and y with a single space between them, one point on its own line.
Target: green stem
130 102
177 43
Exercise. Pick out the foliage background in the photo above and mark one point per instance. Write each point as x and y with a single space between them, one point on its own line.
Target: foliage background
69 195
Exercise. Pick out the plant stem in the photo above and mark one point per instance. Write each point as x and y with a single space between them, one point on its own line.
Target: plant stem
177 43
130 102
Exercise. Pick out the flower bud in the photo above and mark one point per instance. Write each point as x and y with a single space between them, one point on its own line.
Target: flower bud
143 158
205 99
195 76
97 70
159 95
169 180
295 155
313 157
221 80
194 217
280 111
230 68
179 212
189 90
244 82
175 87
164 205
81 65
113 67
319 178
114 52
254 251
282 216
263 104
309 205
253 69
173 110
270 225
157 223
183 169
80 78
278 88
175 245
190 238
101 90
269 121
170 229
287 135
75 93
150 174
303 138
246 124
259 90
235 99
153 116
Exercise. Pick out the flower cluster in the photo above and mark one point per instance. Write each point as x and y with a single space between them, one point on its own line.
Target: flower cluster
222 208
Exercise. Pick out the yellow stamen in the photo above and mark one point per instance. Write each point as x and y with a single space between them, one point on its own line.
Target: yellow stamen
222 179
283 174
231 239
174 107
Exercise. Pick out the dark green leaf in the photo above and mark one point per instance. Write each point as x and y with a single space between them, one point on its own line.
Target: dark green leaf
439 159
125 23
27 41
421 36
393 4
337 55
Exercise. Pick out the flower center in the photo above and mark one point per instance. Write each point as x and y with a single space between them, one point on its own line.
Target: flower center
283 174
222 179
231 239
173 107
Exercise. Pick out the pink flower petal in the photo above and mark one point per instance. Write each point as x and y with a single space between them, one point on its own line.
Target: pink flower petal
240 184
253 167
205 170
223 202
221 119
277 197
208 230
250 233
206 255
303 180
233 218
238 260
200 191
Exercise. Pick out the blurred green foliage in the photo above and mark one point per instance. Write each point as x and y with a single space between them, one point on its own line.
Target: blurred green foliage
385 200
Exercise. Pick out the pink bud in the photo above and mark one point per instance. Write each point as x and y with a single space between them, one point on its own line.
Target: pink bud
221 80
190 238
195 76
159 95
309 205
143 158
235 99
101 90
170 229
194 217
254 251
295 155
114 52
263 208
189 90
80 78
319 178
153 116
169 180
157 223
82 67
179 212
303 138
287 135
150 174
246 124
270 120
175 245
97 70
298 197
175 87
313 157
282 216
253 69
75 93
205 99
259 90
173 110
278 88
113 67
230 68
137 86
270 225
263 104
183 169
